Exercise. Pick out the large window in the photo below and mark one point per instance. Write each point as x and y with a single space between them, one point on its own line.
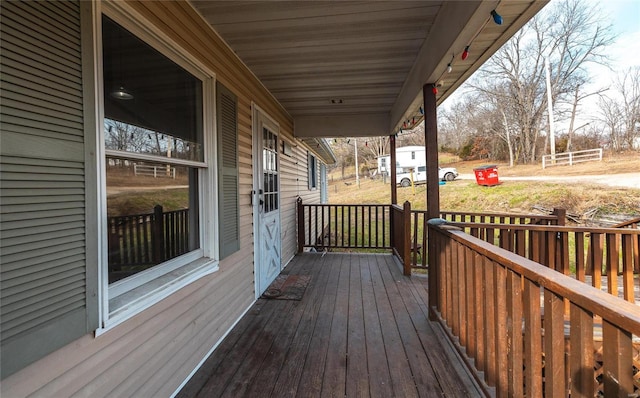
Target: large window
157 176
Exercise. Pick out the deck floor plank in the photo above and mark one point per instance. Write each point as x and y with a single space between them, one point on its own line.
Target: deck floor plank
361 330
273 363
313 371
377 365
224 365
423 375
335 371
288 379
401 377
357 372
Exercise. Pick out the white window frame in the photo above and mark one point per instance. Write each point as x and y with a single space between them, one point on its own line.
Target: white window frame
124 299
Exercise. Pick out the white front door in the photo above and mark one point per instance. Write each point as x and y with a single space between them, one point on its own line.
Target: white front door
266 203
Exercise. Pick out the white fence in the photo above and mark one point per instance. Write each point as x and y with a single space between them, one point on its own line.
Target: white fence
154 171
569 158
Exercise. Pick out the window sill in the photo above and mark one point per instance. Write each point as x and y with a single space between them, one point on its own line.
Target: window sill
132 302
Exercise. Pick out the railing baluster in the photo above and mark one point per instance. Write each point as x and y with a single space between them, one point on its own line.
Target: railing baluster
370 222
581 352
502 352
469 296
532 339
627 267
612 263
462 294
554 343
480 309
617 357
342 216
514 334
454 284
580 264
490 365
315 225
595 259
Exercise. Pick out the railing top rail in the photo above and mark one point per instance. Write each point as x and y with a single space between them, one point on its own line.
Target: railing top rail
345 204
596 150
130 215
176 211
627 223
490 214
614 309
543 228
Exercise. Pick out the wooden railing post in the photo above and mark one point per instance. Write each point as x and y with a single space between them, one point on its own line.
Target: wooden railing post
561 215
300 216
157 234
406 242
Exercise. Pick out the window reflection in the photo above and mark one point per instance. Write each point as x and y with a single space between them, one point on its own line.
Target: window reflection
151 215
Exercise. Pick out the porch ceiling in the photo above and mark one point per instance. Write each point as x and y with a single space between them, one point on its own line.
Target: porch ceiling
357 68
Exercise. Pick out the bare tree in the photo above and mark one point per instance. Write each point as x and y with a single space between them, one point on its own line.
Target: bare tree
124 137
619 110
458 124
571 35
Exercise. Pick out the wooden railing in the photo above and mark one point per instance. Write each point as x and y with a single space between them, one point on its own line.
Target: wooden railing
147 239
503 218
355 227
528 330
362 226
633 223
419 226
606 258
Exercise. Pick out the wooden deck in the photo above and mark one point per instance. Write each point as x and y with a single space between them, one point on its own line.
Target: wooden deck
361 330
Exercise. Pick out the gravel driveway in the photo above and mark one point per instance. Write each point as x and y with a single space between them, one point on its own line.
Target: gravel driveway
626 180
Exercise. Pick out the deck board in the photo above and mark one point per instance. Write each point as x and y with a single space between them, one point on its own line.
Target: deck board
361 330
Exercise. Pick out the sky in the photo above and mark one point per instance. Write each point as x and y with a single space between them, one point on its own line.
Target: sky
624 16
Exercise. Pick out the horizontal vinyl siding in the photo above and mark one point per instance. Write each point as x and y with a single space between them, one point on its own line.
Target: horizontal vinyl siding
43 264
152 353
295 183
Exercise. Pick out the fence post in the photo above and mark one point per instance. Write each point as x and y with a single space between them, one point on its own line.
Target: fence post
561 216
406 244
543 162
157 234
300 215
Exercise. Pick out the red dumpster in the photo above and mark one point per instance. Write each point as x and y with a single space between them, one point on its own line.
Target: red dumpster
487 175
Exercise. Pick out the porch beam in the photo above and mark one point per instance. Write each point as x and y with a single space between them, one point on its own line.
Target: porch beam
456 23
362 125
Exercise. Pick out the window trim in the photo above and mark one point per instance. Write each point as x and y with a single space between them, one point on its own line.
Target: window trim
148 287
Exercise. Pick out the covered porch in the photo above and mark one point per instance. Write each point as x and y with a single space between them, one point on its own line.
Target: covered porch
361 329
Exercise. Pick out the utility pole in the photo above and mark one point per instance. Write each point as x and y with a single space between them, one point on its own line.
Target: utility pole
355 145
552 134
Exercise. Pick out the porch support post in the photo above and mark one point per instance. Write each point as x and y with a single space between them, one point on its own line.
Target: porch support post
392 166
300 216
433 189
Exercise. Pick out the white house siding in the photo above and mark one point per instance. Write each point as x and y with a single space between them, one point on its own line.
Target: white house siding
152 353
